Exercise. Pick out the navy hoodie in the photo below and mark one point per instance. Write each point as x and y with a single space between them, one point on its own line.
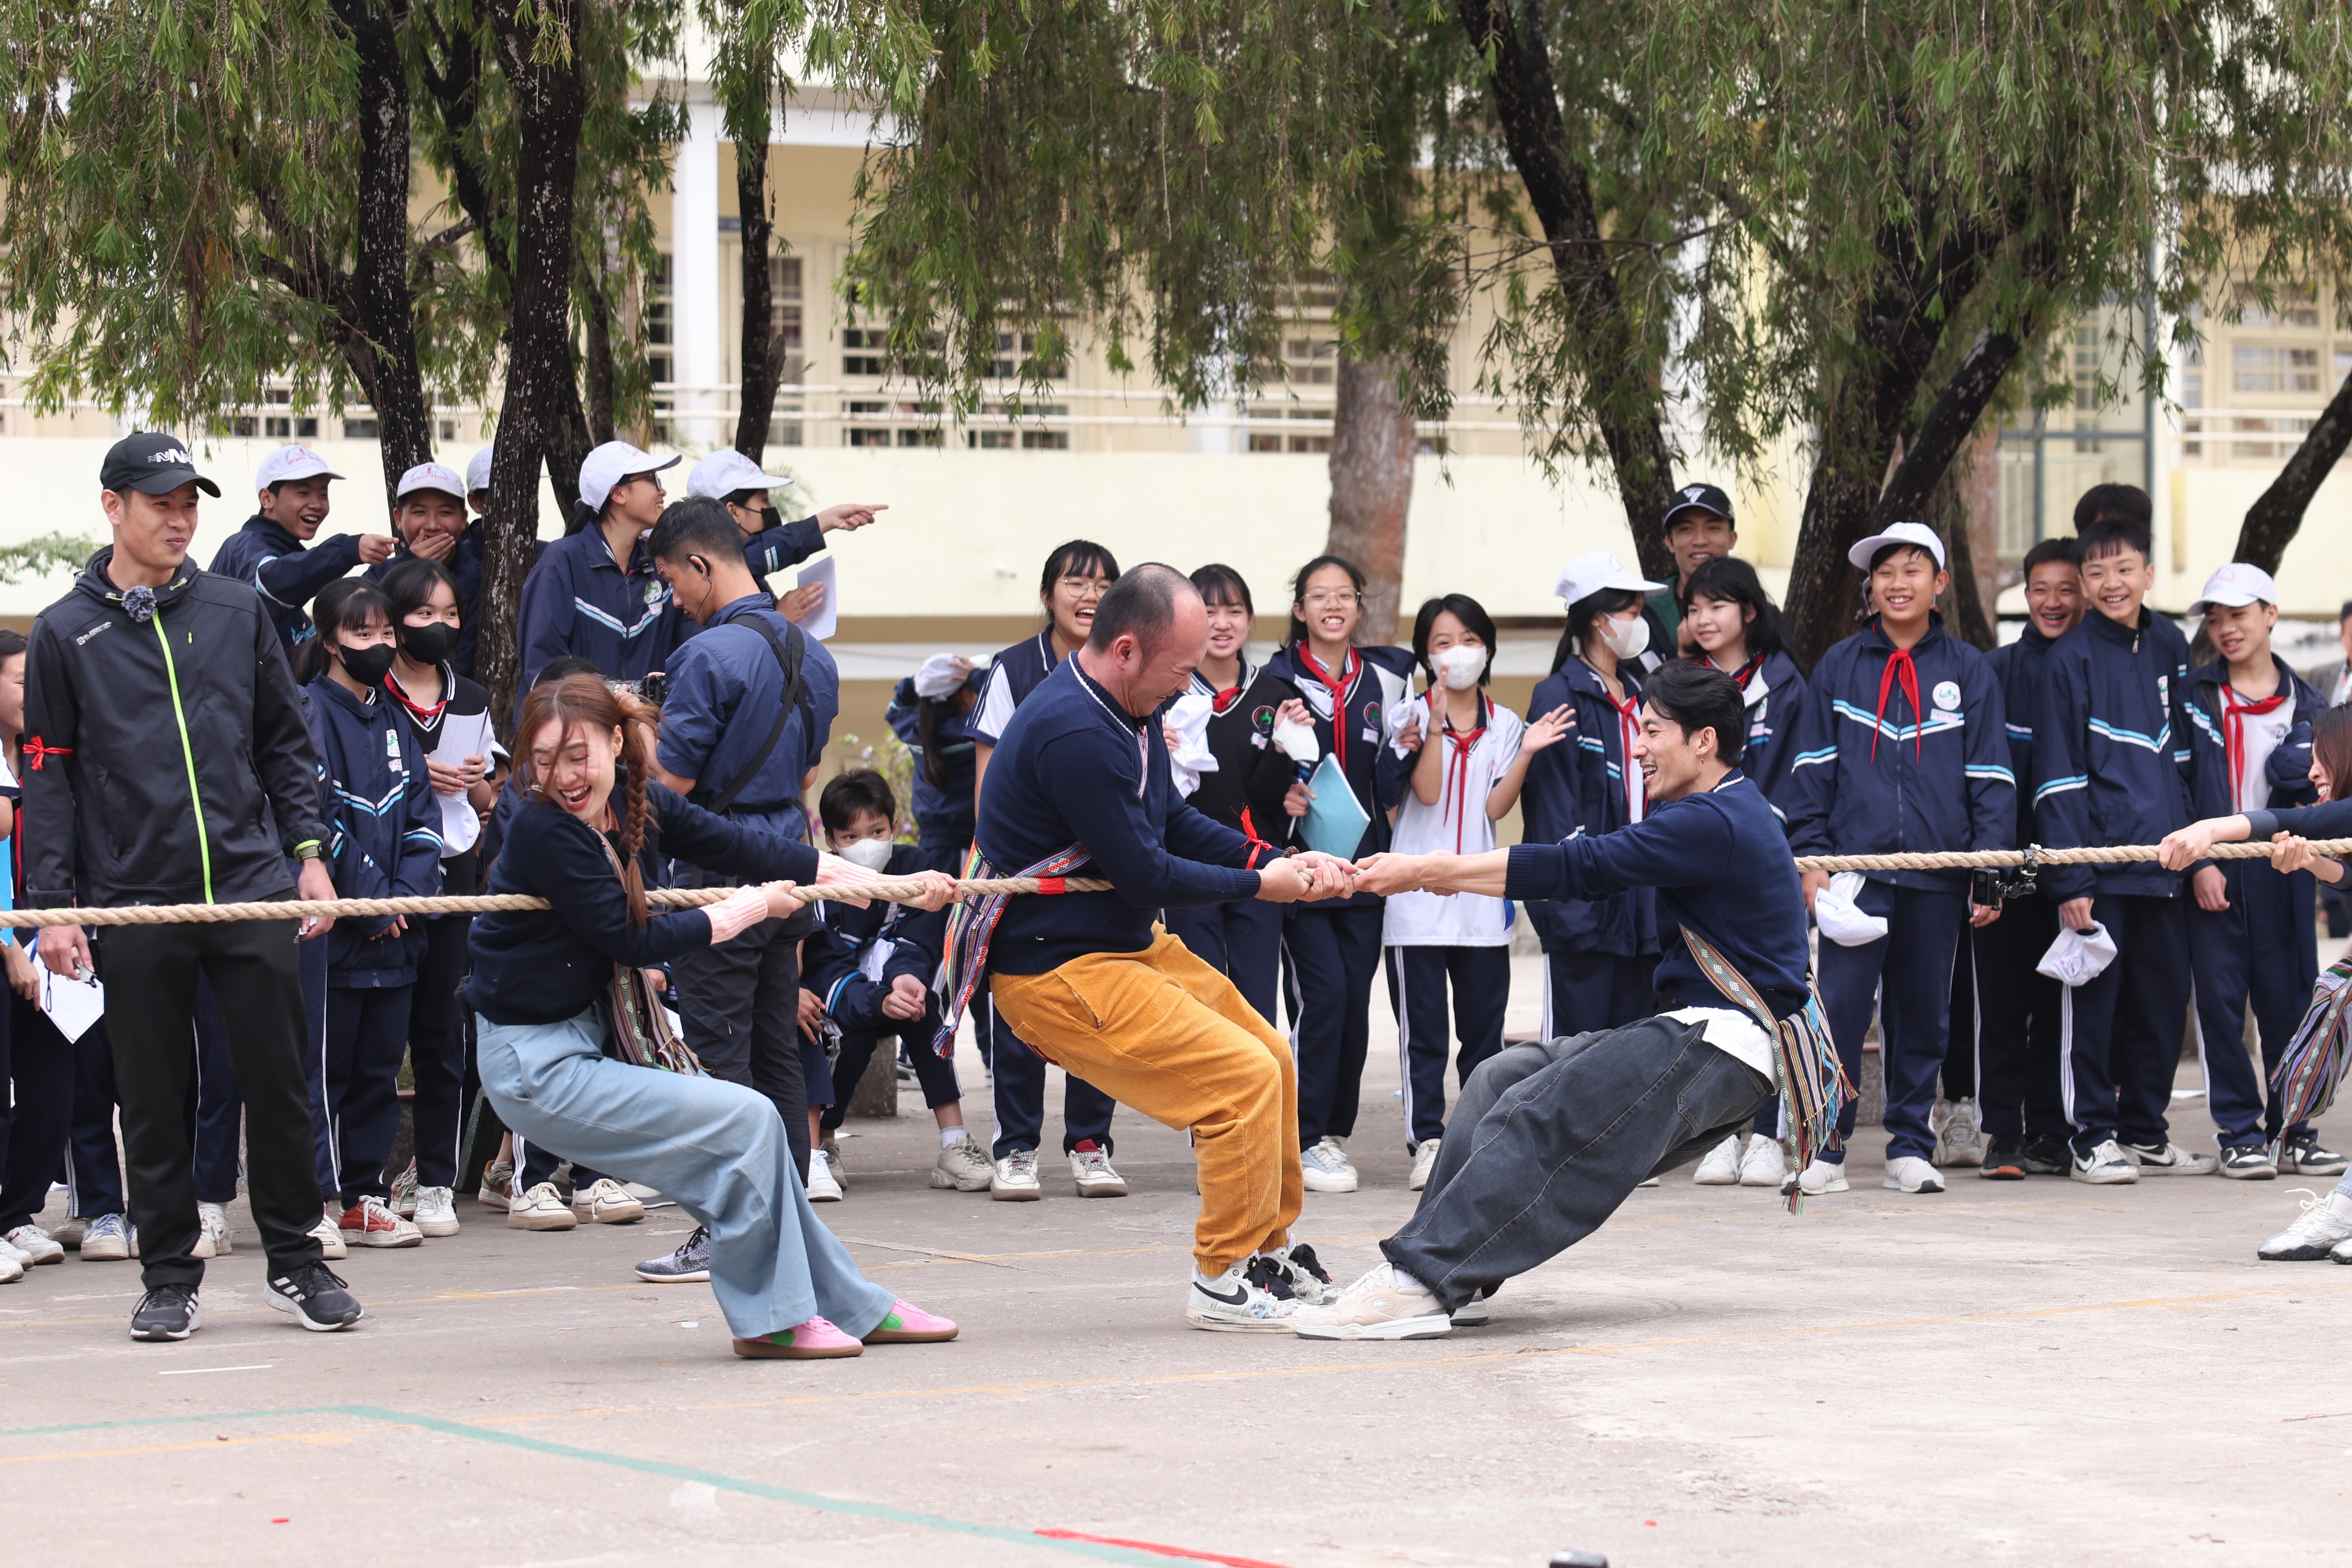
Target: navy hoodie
383 830
286 572
1382 678
2290 763
1721 865
2112 752
832 954
1878 774
1578 788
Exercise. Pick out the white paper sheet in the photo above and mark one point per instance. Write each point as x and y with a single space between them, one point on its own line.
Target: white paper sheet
73 1006
823 620
463 735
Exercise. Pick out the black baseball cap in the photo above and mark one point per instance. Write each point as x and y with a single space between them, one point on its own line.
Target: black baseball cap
154 464
1699 498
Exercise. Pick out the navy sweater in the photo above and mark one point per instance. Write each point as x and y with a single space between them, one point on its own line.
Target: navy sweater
943 811
284 573
383 830
832 953
1875 779
542 966
2290 761
2112 753
1576 789
1721 865
1072 767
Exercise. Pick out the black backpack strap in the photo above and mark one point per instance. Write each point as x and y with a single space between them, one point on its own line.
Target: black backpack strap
789 650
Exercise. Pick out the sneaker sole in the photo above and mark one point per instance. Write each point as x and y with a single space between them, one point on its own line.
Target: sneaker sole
1893 1185
316 1325
518 1221
2105 1178
2252 1173
167 1336
768 1349
696 1277
1102 1189
943 1182
2300 1169
2145 1169
2002 1173
1314 1184
489 1200
609 1218
1709 1179
1014 1195
378 1238
1236 1325
2308 1252
437 1227
1422 1328
824 1198
909 1337
104 1253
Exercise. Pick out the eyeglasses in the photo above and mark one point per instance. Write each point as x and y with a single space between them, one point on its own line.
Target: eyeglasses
1084 585
1339 601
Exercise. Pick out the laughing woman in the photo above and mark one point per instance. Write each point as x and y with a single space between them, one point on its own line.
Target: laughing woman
540 979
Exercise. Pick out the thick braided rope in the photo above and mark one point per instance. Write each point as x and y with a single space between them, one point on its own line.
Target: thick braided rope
1979 859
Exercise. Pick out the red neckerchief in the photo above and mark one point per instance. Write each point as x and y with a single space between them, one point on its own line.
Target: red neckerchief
1745 673
428 716
1899 662
2234 725
1458 765
1338 688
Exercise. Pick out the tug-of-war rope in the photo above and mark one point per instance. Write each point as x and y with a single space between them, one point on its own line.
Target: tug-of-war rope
905 890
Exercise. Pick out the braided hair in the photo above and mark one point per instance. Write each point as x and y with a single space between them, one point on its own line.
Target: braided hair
578 701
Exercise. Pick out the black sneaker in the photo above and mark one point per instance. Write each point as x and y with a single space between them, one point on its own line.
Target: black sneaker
1269 1276
319 1302
2046 1154
2302 1156
691 1264
166 1312
2004 1160
1309 1280
2248 1163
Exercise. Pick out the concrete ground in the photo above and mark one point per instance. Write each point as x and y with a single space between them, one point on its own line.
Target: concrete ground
2034 1372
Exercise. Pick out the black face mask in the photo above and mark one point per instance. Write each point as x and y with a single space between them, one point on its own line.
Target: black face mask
368 666
430 643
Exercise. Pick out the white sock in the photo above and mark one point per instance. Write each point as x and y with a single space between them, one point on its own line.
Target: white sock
952 1136
1201 1278
2340 1202
1408 1284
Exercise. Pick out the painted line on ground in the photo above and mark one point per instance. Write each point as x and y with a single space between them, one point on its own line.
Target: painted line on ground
200 1371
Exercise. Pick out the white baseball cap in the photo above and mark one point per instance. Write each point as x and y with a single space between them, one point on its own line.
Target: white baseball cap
1597 569
727 471
2234 585
611 463
430 477
292 463
1917 534
477 469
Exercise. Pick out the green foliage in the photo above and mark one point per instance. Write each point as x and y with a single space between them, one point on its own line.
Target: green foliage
36 557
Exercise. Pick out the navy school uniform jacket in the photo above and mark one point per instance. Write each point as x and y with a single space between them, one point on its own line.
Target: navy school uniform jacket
383 830
578 601
1720 863
2021 668
464 566
1354 730
1013 674
785 544
835 957
1575 789
2112 752
943 812
2214 790
1875 774
1072 767
287 574
1252 775
1775 691
724 689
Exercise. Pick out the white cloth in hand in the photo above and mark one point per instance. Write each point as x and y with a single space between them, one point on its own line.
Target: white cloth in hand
1189 757
1841 919
2078 956
1296 741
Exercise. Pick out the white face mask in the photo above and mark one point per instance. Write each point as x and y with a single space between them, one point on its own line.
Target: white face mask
1459 667
1626 639
869 854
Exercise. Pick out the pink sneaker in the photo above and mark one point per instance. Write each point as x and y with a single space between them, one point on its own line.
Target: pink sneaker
812 1341
907 1325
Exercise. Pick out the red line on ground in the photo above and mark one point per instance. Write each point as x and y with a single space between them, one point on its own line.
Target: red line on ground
1184 1552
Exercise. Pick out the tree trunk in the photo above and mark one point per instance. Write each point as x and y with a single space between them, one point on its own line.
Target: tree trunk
763 348
596 348
1967 610
540 390
2272 522
1627 405
386 323
1373 447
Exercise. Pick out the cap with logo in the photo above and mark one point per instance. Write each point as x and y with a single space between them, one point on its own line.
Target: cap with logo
477 469
291 463
1917 534
611 463
431 477
153 464
1597 569
2234 585
1699 498
728 471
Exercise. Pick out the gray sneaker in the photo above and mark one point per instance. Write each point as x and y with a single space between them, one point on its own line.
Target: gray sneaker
963 1166
106 1240
1325 1167
166 1312
691 1264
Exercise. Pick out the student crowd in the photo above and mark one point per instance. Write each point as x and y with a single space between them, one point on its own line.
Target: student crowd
2019 1031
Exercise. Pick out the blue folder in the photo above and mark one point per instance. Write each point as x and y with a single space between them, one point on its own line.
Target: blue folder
1334 822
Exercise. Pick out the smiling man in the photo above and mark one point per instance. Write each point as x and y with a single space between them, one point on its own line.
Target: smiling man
274 552
1557 1132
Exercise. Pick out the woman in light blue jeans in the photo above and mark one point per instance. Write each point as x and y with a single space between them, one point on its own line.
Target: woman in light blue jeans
785 1283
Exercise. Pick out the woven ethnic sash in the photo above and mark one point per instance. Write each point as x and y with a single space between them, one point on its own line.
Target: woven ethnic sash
2312 1066
1812 1082
964 961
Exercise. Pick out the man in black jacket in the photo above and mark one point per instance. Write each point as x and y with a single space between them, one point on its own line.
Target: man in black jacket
167 761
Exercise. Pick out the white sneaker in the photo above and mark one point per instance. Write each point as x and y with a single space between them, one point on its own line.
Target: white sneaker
1721 1167
36 1245
1817 1178
962 1165
1090 1168
1325 1168
605 1202
330 1232
106 1238
2105 1165
212 1232
403 1193
1015 1181
541 1208
1474 1313
822 1187
1959 1140
2169 1160
1766 1163
2324 1222
436 1211
832 1152
10 1252
10 1269
1380 1306
1237 1304
1910 1173
68 1235
1425 1160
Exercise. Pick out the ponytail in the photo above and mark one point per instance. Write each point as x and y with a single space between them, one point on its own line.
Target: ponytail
578 701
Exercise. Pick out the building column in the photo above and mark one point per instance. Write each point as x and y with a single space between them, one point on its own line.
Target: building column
694 278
